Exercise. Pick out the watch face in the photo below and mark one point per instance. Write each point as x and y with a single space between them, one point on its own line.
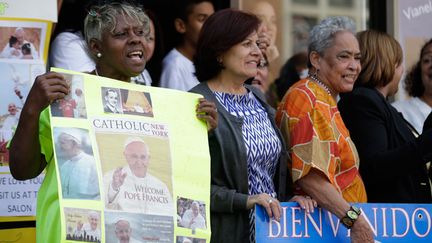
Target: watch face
356 209
347 222
352 215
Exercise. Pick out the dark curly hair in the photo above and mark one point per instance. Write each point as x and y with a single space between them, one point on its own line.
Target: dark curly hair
413 81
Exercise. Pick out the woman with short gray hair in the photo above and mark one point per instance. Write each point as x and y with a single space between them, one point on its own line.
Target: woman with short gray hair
325 163
322 36
104 18
115 34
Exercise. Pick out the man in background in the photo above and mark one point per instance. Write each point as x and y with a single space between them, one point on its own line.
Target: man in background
177 66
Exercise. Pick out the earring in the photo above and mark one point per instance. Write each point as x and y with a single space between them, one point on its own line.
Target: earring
220 63
99 55
313 75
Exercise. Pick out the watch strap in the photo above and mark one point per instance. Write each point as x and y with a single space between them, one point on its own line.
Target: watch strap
350 217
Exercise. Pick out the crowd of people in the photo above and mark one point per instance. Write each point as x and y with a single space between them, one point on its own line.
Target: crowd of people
334 141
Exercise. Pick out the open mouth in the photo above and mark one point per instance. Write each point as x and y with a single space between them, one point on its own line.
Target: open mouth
254 62
135 54
349 76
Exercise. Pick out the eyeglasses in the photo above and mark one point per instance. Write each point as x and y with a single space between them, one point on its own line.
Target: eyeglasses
263 64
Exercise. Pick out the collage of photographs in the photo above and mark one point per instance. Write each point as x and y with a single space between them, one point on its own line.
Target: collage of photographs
135 171
21 45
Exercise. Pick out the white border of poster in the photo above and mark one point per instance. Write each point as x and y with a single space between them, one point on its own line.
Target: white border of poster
29 9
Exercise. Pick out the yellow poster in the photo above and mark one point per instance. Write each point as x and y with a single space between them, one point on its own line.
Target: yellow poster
132 163
18 235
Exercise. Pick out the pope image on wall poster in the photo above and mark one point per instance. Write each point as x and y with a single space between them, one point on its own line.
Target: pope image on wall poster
20 43
15 84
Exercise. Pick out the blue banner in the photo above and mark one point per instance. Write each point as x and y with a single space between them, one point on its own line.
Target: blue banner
389 222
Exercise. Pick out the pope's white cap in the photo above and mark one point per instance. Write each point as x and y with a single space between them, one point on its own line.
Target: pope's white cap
73 134
130 140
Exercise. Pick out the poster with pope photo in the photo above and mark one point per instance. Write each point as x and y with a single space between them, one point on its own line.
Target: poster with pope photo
23 51
125 154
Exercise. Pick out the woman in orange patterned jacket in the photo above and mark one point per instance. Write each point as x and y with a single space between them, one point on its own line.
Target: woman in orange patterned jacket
325 164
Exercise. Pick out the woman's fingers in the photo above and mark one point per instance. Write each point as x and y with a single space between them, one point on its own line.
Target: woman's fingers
309 205
276 209
271 205
301 203
55 92
50 83
206 106
305 202
207 111
211 121
46 89
266 201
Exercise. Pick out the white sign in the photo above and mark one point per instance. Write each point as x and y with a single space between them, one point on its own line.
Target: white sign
14 201
34 9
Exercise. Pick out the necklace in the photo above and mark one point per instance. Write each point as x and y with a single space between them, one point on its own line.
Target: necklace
316 79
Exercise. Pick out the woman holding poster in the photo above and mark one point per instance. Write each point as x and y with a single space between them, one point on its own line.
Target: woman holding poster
248 158
115 35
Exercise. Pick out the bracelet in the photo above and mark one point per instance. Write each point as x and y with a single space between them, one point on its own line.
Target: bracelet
350 217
